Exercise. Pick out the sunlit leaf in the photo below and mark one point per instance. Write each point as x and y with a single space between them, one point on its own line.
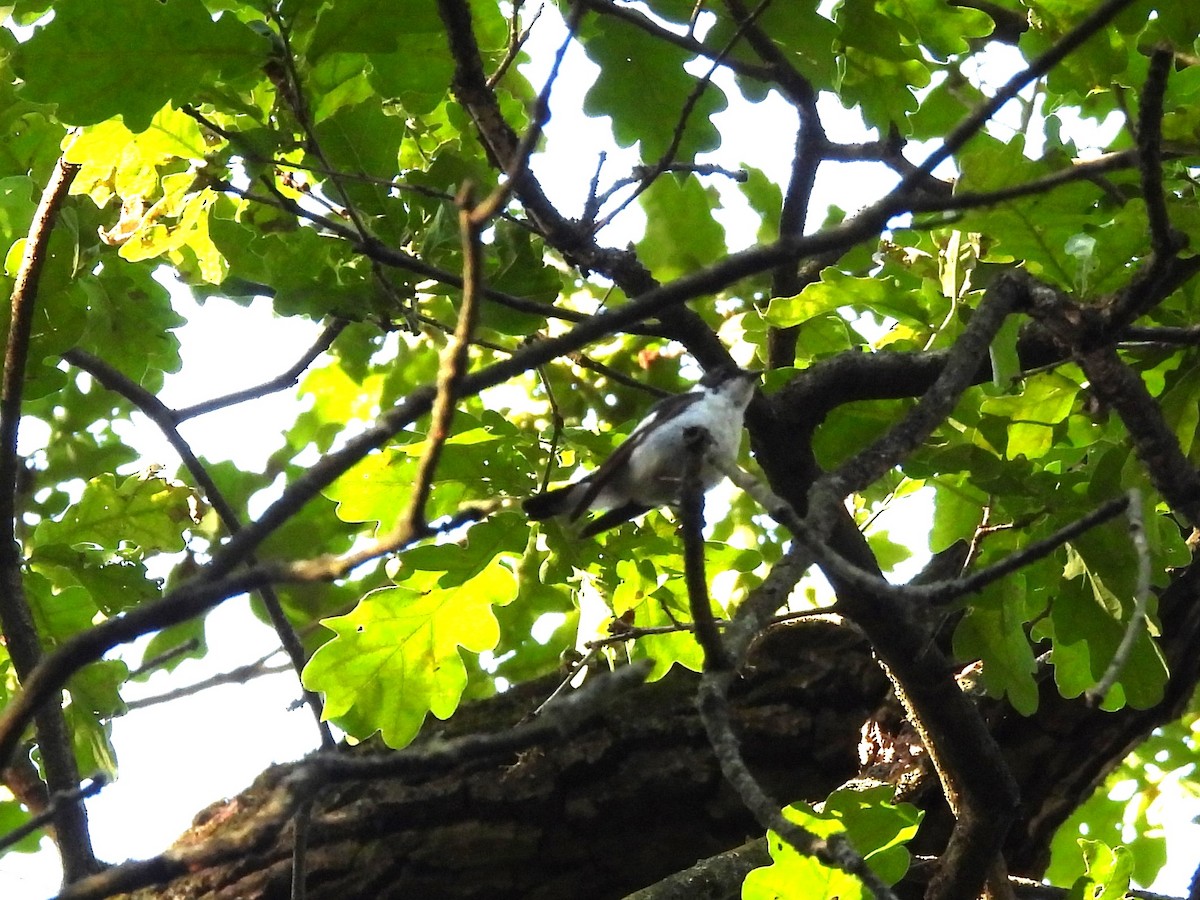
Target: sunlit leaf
395 659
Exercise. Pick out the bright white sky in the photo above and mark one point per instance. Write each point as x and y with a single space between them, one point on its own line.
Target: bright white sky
177 758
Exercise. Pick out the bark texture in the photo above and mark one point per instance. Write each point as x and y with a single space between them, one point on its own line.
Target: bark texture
637 796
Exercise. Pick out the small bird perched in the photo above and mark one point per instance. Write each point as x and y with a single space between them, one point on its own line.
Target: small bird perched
645 471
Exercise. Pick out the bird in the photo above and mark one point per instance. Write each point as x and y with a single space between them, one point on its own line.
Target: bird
646 470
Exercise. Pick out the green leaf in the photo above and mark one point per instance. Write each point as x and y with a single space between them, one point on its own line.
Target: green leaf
877 827
141 514
629 60
1045 400
836 290
113 583
1108 872
130 324
1086 632
1006 362
941 27
114 160
13 816
361 25
130 57
993 630
395 658
17 204
642 591
766 199
681 233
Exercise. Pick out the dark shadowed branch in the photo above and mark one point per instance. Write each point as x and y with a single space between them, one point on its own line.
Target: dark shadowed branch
691 529
54 804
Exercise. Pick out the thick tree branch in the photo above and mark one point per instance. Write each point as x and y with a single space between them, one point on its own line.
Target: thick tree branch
957 374
302 780
1164 241
1148 287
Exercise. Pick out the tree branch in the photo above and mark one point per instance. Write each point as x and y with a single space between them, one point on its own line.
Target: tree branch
165 418
1122 389
691 529
1092 23
240 675
301 780
280 382
454 359
16 618
55 803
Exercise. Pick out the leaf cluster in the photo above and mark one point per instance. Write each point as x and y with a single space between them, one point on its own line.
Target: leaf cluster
331 160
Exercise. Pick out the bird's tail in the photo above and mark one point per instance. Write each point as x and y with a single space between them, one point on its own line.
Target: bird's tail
558 502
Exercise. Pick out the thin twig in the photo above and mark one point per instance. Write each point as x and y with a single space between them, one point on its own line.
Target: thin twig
165 418
56 802
556 427
516 166
240 675
638 175
1141 601
296 96
188 646
578 665
633 633
516 40
280 382
454 361
691 528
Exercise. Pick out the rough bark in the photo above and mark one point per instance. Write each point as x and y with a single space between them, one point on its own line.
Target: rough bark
637 796
629 800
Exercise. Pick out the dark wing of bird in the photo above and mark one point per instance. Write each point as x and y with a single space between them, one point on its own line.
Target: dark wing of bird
612 518
660 412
